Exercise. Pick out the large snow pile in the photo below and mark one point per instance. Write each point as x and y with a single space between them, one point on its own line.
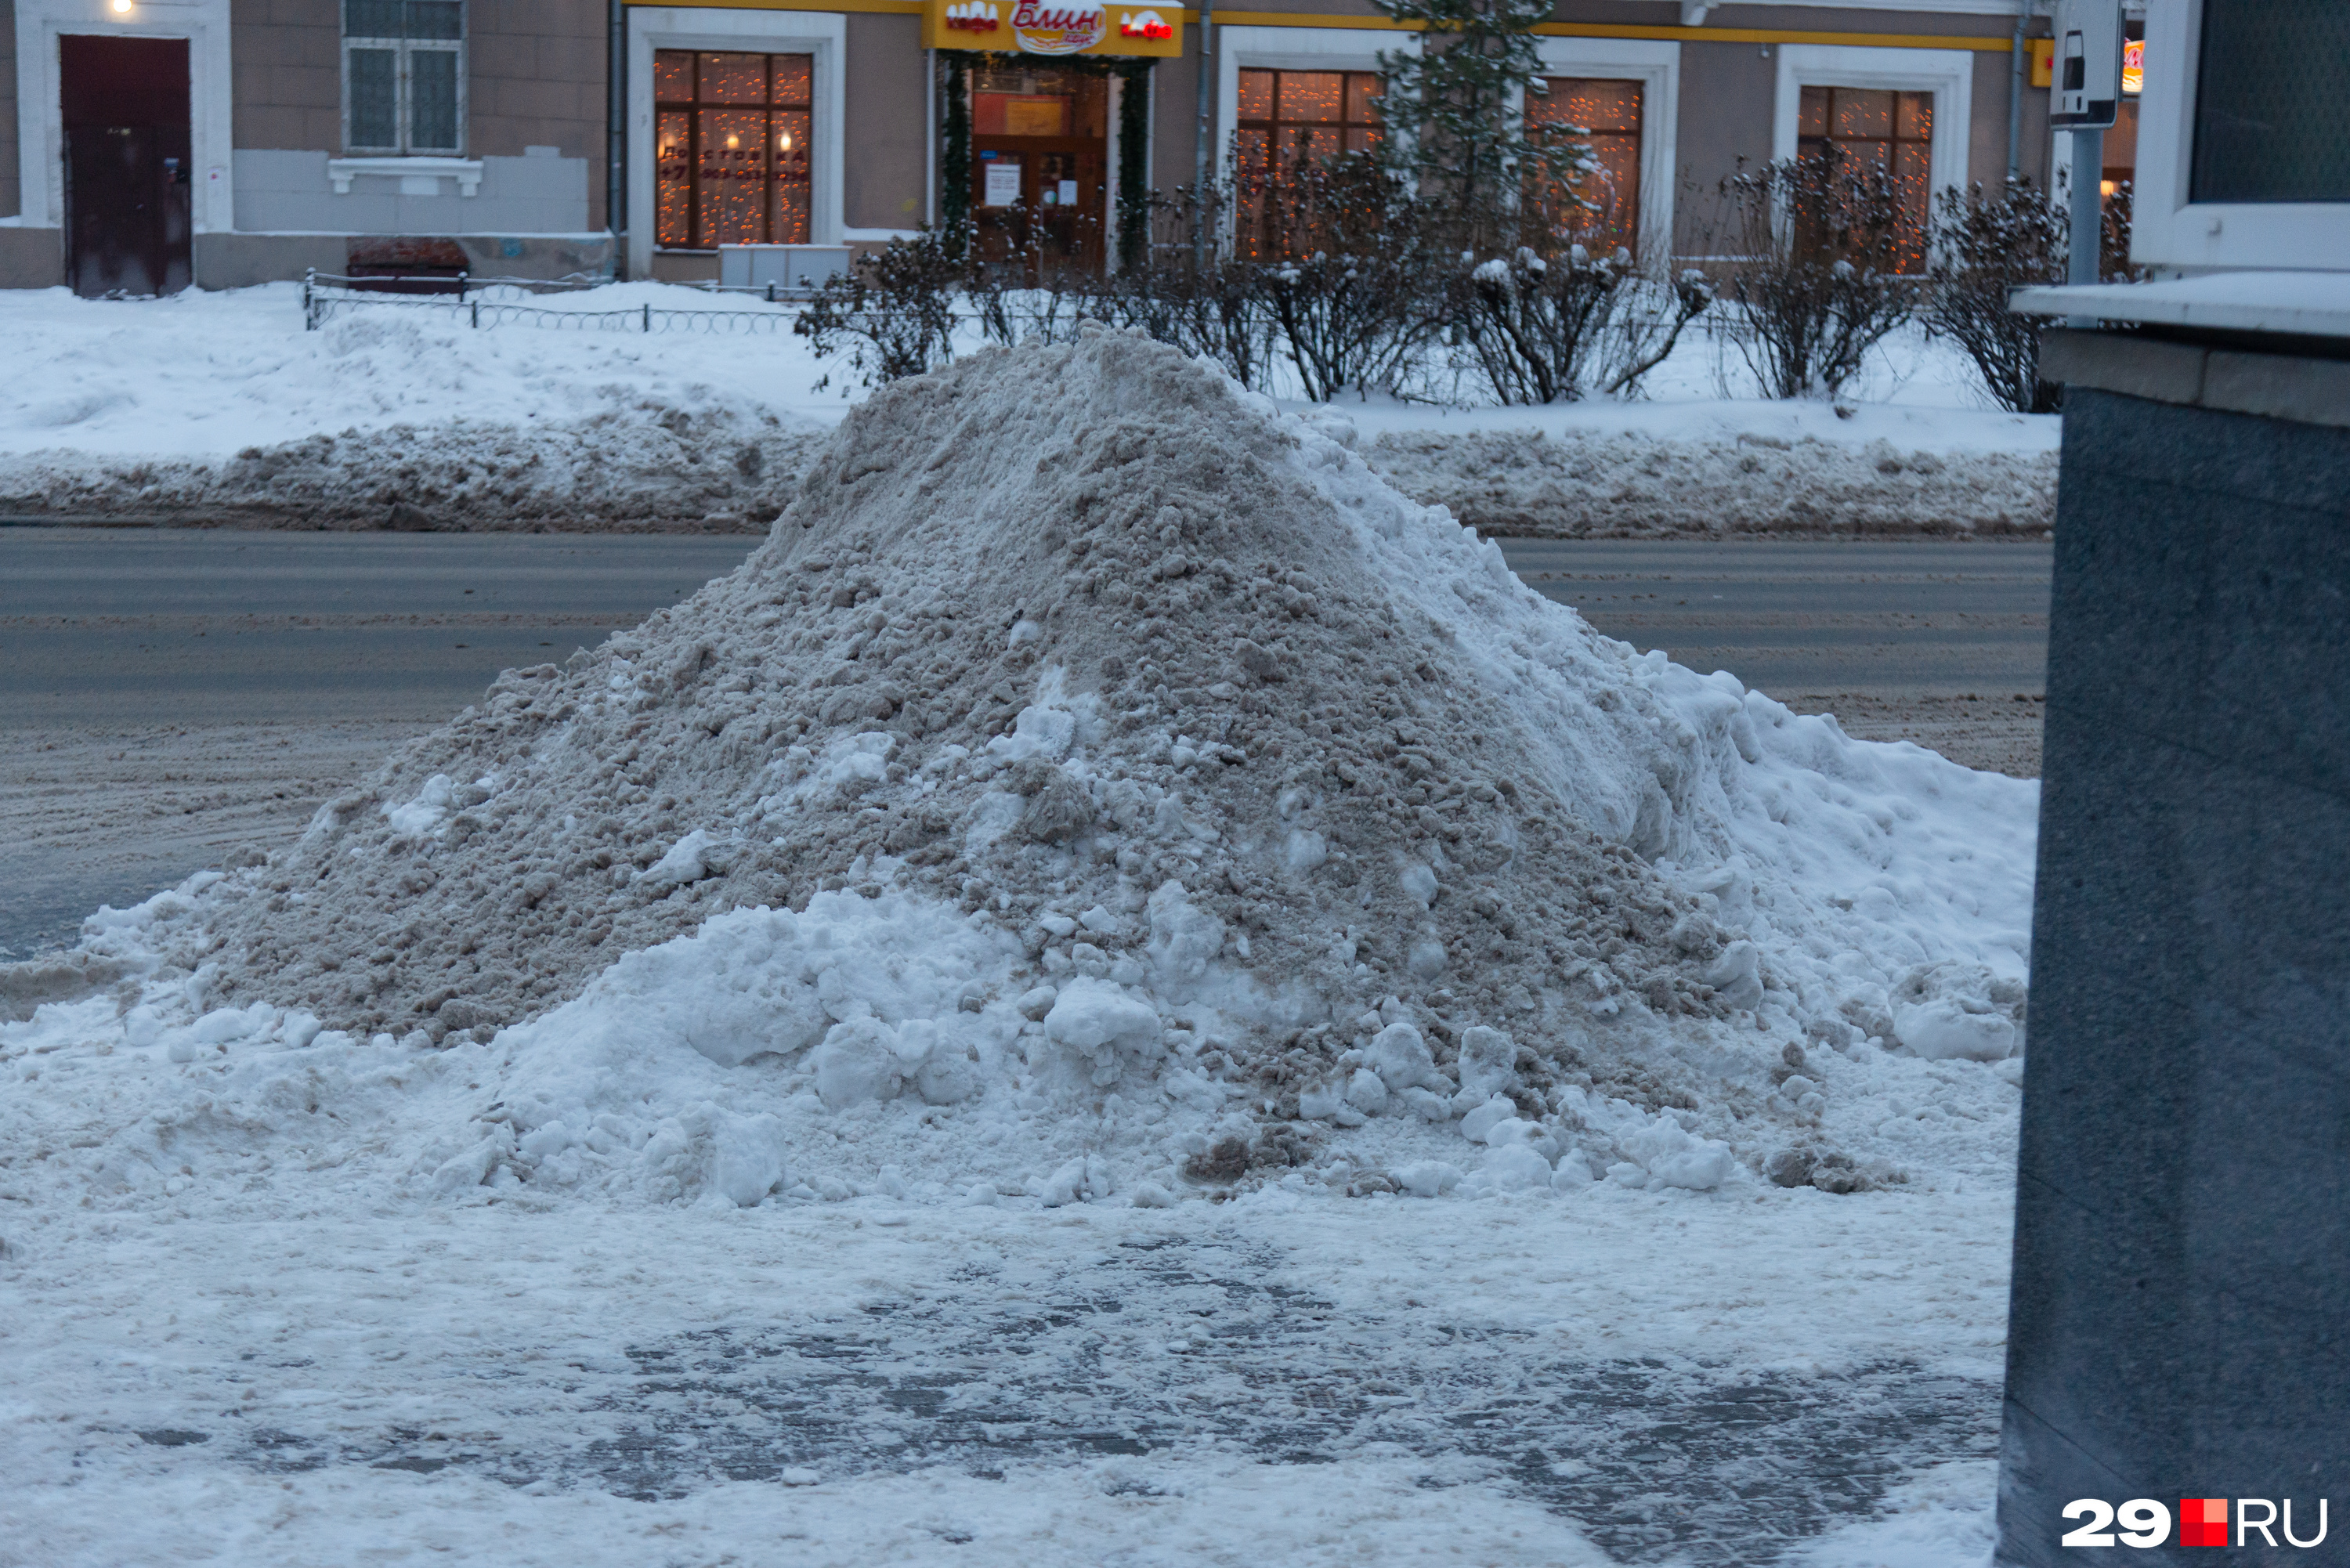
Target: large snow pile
1099 782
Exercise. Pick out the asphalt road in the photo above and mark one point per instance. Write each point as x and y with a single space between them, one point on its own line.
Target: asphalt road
1890 620
149 626
167 695
168 626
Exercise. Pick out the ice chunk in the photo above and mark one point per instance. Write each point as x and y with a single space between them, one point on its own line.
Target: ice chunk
1093 1015
1399 1055
948 1077
1038 733
425 813
686 862
1737 975
1517 1165
1428 1177
1081 1180
228 1024
1366 1093
1489 1062
746 1159
857 1061
1943 1031
1486 1117
1671 1156
1418 884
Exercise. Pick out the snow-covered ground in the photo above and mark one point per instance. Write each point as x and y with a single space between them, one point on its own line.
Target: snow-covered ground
143 407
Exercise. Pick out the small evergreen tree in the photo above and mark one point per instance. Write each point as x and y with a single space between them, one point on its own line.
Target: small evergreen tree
1456 123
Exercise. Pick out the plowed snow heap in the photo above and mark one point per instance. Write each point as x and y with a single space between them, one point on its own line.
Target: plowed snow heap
1172 689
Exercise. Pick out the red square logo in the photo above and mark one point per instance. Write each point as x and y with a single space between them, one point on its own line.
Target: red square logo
2203 1522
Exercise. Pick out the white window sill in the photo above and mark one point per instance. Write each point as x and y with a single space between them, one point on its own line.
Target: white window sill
417 176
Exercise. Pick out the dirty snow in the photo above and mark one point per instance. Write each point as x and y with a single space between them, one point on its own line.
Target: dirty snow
219 409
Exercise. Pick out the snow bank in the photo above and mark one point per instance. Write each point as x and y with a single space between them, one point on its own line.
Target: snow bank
1100 786
219 409
1579 484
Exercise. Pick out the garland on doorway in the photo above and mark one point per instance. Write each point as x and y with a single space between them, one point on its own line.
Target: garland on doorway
1133 220
1134 164
955 163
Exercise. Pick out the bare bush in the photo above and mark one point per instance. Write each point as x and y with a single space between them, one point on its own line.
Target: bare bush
893 310
1820 283
1558 329
1987 245
1356 294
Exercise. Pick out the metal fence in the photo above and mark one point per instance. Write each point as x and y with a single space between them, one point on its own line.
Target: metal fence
477 303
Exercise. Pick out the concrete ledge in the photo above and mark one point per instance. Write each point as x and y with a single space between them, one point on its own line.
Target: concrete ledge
32 258
2274 386
240 261
2313 391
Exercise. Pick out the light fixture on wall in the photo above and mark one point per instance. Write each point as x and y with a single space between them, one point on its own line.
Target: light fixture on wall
784 143
123 8
733 141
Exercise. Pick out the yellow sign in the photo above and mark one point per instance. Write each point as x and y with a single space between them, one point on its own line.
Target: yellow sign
1053 27
2044 64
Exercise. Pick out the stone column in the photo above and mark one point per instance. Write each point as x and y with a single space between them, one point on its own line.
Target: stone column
2180 1321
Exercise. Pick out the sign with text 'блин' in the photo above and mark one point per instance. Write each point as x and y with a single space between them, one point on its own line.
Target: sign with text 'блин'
1053 27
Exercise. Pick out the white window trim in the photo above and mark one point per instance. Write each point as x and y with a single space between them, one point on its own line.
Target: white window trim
1947 74
823 33
1657 67
1292 49
403 115
466 172
40 119
2169 232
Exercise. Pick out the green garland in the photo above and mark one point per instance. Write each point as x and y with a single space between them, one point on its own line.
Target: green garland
1133 222
1134 164
954 164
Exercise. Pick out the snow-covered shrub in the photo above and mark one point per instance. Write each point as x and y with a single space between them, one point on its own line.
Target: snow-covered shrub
1986 244
893 310
1347 271
1557 329
1825 244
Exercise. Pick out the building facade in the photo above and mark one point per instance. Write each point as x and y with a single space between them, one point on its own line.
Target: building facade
148 144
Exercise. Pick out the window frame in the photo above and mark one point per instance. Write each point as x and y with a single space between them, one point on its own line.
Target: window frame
1636 216
404 50
1917 248
693 110
1656 65
1947 74
2178 235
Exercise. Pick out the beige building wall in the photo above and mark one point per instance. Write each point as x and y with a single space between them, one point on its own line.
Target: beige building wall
535 84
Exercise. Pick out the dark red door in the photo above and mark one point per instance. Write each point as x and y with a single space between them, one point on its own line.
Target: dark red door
124 104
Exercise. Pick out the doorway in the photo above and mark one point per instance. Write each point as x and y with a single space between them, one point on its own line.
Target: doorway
1040 167
123 103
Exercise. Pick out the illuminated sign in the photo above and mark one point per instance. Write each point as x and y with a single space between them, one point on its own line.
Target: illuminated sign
1058 29
2134 65
1054 26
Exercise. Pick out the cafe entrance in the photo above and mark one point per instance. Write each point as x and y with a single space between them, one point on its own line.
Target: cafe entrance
1040 165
